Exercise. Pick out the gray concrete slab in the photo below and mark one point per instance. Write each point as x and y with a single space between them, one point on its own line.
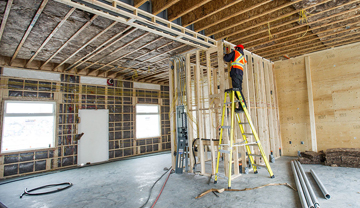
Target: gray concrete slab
126 184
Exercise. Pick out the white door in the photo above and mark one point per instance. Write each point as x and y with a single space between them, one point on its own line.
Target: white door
93 147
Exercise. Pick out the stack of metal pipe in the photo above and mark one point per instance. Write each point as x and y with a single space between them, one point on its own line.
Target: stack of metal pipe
306 193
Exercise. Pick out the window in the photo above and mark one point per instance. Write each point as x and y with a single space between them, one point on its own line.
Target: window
28 125
147 121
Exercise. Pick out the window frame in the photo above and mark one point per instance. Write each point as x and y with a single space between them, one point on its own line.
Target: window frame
5 114
158 113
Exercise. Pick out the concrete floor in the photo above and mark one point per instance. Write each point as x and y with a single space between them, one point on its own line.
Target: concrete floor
126 184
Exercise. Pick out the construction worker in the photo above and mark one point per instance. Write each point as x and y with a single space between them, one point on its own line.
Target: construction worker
237 59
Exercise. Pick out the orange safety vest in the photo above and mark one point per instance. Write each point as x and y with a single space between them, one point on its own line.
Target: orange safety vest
239 61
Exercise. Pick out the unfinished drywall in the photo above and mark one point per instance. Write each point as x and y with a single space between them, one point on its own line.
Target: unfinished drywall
71 95
335 84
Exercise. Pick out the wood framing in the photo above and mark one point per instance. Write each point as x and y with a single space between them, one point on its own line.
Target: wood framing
5 17
311 104
33 21
138 3
206 81
183 7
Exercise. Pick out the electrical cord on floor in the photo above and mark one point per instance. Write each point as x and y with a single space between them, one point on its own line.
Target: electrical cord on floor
27 192
161 189
154 185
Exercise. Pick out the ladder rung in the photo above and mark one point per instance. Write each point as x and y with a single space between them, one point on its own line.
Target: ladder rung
258 165
255 155
224 144
243 123
224 151
236 101
248 134
226 127
252 144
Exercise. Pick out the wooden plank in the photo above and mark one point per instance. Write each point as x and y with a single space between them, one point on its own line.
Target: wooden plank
86 44
240 38
115 51
188 108
50 36
183 7
99 49
205 11
201 26
311 104
138 3
252 18
5 17
172 115
301 33
142 23
211 115
27 33
69 40
269 106
199 121
160 5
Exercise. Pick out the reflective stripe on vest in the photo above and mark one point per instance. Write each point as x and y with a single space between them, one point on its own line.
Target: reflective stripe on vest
239 61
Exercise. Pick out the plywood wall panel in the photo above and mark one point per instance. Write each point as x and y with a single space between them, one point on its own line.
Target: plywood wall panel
336 89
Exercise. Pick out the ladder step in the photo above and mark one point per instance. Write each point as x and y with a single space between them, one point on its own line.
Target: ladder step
258 165
236 101
243 123
224 151
252 144
255 155
248 134
226 127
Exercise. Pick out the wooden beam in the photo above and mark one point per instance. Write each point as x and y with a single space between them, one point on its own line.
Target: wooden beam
316 37
136 58
311 104
296 19
172 115
138 3
33 21
206 11
51 35
144 21
160 5
183 7
304 34
69 40
205 25
152 75
86 44
215 31
100 48
115 50
5 17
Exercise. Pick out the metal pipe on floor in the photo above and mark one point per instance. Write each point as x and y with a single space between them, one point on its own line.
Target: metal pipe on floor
310 203
320 184
298 186
311 191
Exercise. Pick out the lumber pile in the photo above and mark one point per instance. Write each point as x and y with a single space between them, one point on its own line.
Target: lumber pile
310 157
343 157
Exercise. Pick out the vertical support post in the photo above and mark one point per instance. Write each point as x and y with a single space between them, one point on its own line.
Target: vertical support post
172 114
211 119
199 112
189 107
311 104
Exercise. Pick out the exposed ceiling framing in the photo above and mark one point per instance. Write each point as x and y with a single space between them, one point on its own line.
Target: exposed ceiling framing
266 27
112 39
92 38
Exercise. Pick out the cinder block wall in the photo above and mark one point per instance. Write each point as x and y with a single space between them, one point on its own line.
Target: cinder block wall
70 95
335 83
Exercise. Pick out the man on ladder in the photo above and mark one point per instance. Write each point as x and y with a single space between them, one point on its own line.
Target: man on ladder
237 59
237 65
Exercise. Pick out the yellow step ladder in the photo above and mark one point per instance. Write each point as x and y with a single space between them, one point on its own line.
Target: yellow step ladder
231 93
